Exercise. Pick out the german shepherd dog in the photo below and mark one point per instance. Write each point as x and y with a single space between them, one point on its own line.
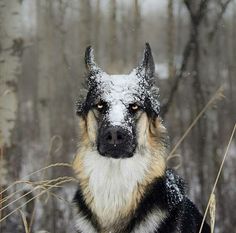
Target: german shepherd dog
124 184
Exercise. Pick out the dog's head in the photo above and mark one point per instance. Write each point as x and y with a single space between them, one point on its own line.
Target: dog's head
121 112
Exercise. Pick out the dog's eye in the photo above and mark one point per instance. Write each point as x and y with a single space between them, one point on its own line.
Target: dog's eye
134 107
100 106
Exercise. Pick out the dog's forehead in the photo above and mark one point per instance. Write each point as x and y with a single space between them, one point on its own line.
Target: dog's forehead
125 88
119 91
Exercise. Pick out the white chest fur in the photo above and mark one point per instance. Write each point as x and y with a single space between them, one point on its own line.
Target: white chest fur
151 222
147 225
112 183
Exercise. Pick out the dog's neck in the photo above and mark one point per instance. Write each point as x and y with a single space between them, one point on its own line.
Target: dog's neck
113 187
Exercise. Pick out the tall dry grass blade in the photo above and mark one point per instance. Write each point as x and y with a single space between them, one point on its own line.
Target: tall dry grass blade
39 186
175 156
41 169
217 95
16 192
60 198
53 195
50 151
37 196
32 183
17 199
212 211
217 177
32 219
1 193
26 227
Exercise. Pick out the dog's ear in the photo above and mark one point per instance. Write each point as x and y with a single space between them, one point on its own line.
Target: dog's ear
146 69
90 63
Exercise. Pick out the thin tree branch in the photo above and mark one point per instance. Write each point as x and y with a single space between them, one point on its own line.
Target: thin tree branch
190 10
202 9
196 19
197 16
186 56
218 19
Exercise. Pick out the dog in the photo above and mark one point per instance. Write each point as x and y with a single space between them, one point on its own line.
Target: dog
124 183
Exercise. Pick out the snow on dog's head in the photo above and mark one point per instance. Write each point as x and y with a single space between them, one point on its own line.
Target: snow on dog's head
117 102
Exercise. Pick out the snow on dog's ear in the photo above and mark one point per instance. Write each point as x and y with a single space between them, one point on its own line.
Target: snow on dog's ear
90 63
91 81
93 69
146 69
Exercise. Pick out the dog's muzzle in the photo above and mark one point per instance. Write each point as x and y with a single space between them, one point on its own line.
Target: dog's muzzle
115 142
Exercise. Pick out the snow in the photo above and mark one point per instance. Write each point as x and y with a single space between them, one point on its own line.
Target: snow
175 188
119 91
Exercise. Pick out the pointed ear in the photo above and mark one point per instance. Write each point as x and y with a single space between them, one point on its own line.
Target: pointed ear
90 61
146 69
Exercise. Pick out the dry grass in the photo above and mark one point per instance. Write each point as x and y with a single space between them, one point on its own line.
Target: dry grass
1 195
36 189
211 202
40 187
33 173
212 211
26 226
36 196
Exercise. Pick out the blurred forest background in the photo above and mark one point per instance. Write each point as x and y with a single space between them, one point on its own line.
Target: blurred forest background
42 45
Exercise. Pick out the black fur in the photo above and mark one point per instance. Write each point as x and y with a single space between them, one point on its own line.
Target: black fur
84 209
167 194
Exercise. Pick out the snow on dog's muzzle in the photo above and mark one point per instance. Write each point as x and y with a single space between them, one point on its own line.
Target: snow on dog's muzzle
115 142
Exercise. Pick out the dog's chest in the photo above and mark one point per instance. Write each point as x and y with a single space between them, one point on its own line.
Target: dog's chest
149 224
112 184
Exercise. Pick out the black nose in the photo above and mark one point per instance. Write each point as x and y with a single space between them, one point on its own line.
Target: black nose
114 136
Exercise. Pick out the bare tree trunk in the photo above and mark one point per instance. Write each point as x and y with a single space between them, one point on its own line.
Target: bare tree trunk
113 36
170 39
11 50
97 26
125 38
45 46
201 128
137 30
85 23
45 56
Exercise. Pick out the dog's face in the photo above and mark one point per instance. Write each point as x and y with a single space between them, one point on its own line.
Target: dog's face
116 105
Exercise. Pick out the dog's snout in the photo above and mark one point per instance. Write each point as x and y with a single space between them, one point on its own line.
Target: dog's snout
114 136
116 142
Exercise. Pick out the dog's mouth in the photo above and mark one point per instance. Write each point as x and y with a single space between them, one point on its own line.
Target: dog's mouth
115 142
115 152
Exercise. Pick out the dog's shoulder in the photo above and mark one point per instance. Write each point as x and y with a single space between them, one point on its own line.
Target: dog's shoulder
162 196
184 218
165 208
183 215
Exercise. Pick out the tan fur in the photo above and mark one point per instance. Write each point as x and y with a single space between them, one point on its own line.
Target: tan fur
150 146
149 138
